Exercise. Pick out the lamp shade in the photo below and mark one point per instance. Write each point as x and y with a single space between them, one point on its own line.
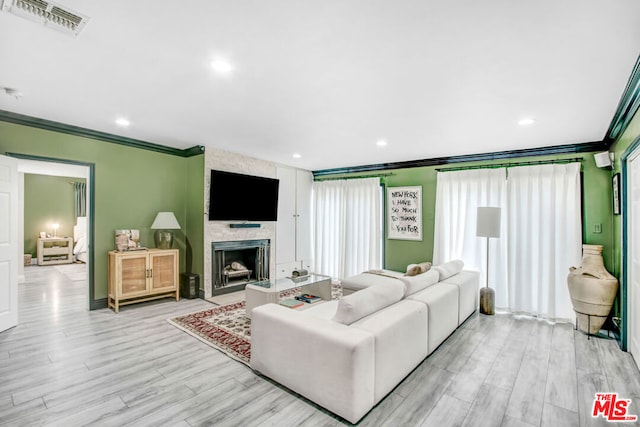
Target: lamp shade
165 221
488 224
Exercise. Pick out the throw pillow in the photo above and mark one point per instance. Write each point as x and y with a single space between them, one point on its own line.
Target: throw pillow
420 282
449 269
415 269
367 301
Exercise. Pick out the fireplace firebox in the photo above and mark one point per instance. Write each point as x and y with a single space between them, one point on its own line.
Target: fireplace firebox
237 263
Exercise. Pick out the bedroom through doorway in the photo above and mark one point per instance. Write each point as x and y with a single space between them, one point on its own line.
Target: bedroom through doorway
54 210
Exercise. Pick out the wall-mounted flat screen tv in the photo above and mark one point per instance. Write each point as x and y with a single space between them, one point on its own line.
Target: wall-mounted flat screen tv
238 197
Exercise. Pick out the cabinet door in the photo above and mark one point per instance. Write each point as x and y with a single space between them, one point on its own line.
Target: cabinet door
164 271
286 225
304 182
133 276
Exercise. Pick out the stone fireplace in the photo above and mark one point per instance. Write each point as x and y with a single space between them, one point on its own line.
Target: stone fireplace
216 232
234 264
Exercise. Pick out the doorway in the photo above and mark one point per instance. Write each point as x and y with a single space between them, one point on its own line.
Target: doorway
632 265
71 170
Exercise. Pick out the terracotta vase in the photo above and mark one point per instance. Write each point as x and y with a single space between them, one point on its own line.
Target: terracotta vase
592 289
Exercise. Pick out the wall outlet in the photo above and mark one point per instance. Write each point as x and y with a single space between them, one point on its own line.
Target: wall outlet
597 228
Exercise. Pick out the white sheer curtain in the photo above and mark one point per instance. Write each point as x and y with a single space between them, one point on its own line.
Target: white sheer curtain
458 195
347 220
544 237
541 232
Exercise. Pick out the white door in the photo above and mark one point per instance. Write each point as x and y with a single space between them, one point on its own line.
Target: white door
286 225
8 243
304 182
633 253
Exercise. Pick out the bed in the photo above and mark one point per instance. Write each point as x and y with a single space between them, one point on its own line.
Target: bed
80 239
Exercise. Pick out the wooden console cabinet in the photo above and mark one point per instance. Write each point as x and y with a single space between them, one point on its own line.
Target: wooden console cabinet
136 276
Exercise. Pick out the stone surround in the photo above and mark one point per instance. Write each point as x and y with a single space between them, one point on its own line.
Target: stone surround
219 231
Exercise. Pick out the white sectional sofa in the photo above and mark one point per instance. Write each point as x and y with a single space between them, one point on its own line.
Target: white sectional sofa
347 355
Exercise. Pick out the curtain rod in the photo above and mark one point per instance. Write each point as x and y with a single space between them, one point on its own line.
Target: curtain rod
380 175
507 165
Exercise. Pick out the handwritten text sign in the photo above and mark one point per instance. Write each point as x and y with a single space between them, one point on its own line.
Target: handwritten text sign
404 213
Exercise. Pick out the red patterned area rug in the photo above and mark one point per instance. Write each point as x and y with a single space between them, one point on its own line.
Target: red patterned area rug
226 327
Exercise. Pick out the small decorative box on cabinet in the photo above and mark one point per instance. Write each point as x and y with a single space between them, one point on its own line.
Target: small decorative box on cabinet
136 276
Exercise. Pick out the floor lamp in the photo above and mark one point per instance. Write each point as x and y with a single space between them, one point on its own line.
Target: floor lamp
488 225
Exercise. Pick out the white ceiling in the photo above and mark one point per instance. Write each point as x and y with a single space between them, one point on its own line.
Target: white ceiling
329 78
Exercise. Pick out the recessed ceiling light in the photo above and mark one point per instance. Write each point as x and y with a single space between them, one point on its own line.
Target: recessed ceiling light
526 122
121 121
222 67
296 155
381 143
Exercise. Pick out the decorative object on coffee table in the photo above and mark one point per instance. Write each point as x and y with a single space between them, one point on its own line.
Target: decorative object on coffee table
592 289
488 225
266 292
164 222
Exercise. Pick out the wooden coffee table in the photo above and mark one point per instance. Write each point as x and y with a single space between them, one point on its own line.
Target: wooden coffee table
268 291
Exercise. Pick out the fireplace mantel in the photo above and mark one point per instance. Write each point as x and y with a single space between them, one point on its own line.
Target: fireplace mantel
220 231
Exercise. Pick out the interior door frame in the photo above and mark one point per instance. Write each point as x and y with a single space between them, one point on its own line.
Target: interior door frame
93 304
624 335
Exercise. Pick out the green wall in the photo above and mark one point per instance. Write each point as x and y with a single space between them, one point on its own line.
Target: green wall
195 213
47 200
597 208
620 146
629 136
131 186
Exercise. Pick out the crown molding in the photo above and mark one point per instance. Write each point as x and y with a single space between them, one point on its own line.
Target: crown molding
529 152
21 119
627 107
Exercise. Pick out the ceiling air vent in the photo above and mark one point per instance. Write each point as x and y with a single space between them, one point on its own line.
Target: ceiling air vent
48 13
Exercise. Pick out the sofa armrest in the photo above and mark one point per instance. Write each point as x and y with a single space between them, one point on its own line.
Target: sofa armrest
327 362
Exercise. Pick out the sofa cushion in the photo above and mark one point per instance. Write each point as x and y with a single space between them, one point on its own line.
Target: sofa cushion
415 269
369 278
417 283
322 310
442 302
450 268
362 303
468 283
400 331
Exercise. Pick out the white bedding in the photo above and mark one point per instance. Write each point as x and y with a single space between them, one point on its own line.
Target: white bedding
80 237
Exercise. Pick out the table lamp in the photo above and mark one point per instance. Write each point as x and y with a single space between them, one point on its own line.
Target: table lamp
55 229
164 222
488 225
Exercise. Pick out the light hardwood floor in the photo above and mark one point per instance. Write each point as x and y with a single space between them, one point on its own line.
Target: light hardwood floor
64 365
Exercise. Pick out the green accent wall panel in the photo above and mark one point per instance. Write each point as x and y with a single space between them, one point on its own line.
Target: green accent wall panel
631 133
195 213
131 186
620 147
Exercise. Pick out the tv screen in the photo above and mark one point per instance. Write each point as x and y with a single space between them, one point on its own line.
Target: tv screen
234 196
